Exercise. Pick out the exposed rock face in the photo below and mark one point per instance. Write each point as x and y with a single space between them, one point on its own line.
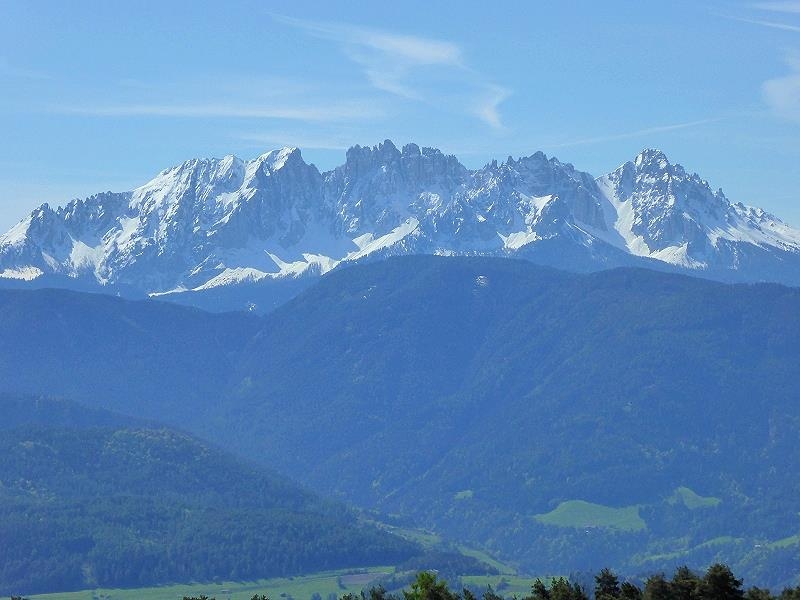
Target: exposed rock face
210 223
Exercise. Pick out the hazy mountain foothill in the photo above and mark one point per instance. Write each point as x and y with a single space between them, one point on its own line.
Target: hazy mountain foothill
561 421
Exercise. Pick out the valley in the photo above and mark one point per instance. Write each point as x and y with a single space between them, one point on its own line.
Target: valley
592 431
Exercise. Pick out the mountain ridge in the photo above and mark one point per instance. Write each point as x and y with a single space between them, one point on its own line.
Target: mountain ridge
208 226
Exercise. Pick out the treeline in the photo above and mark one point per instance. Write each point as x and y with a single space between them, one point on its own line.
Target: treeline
135 542
718 583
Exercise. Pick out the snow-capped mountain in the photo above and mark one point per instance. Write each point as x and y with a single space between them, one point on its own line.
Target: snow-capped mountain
660 211
213 224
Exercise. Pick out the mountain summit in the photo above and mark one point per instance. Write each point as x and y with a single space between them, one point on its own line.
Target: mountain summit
209 225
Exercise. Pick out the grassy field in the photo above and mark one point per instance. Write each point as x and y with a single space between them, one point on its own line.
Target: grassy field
722 540
431 540
693 500
505 585
580 514
785 542
299 588
302 588
423 538
503 568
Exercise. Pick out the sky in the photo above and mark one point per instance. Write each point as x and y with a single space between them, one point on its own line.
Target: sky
98 96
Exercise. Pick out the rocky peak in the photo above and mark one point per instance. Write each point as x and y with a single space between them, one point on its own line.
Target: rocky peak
361 159
288 157
208 221
651 159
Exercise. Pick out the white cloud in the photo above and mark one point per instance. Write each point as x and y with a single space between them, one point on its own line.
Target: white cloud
782 94
637 133
486 109
387 59
784 7
771 24
393 63
222 84
406 48
328 112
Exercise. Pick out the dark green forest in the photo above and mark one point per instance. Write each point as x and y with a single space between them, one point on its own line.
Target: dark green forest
116 505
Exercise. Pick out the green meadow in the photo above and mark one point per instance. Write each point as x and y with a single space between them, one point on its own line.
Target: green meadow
299 588
580 514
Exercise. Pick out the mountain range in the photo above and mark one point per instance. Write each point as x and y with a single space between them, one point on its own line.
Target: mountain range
231 234
563 421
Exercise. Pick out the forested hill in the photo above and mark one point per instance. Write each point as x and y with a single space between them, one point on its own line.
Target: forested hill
86 502
643 419
143 358
627 417
482 373
33 411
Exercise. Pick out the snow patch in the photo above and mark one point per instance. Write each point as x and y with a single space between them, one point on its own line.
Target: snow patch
22 273
85 257
17 235
233 277
385 241
515 241
679 255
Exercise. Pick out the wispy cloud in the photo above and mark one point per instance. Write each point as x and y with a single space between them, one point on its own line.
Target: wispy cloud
387 59
771 24
788 6
330 112
487 106
408 48
637 133
393 62
782 94
219 96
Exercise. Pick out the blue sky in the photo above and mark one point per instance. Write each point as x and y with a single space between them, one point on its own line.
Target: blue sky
103 95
